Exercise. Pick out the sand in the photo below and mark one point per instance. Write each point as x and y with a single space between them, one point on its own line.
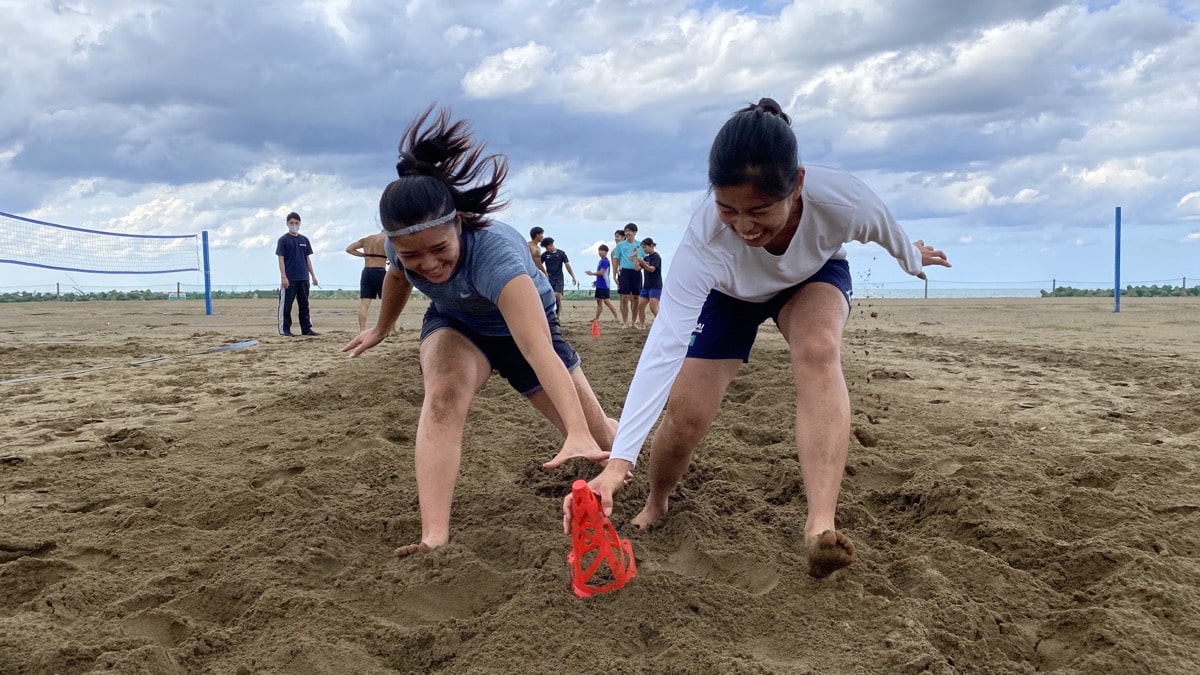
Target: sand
1023 491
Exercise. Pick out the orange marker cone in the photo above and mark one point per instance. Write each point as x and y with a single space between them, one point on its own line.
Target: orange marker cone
595 547
595 329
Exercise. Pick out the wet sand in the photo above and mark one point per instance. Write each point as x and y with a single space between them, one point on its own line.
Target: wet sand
1023 493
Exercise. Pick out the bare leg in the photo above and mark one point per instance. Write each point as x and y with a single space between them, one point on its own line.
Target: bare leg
812 322
625 310
448 362
599 307
611 308
363 305
641 312
602 427
693 405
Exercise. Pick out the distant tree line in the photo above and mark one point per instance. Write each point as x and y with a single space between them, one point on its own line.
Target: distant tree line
1164 291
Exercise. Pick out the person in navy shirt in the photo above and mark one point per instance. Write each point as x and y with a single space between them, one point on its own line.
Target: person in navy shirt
294 254
490 309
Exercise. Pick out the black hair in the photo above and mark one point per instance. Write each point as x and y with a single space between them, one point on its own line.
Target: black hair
603 247
292 216
757 146
630 226
535 231
437 162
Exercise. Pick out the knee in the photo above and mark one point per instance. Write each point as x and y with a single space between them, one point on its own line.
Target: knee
686 420
446 400
818 351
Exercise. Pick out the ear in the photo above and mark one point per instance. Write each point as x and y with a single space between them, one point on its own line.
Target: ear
799 182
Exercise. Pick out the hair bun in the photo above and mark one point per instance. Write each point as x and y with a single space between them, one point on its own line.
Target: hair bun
770 105
405 165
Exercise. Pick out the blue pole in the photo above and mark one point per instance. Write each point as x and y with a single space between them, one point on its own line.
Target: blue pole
1117 274
207 274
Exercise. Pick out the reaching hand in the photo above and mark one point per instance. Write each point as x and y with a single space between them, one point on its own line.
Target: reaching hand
608 483
930 256
364 341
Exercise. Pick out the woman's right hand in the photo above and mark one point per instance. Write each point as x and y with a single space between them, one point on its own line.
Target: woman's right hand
608 483
365 340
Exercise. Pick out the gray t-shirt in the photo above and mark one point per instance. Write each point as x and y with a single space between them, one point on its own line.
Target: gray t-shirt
490 257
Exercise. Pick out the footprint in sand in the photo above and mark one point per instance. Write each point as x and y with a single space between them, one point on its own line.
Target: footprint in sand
164 628
726 567
274 477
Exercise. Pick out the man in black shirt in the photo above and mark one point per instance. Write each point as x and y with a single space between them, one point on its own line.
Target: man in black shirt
553 260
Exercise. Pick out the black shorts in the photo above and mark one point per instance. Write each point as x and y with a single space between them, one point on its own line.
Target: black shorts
502 351
629 282
727 326
603 294
370 282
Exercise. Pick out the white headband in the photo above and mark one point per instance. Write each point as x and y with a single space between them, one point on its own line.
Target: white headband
413 229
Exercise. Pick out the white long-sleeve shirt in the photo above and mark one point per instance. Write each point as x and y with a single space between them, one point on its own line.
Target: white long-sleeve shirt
838 208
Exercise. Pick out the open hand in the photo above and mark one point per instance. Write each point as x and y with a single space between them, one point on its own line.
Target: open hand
930 256
364 341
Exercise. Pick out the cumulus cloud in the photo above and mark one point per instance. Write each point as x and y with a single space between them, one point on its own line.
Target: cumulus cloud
991 125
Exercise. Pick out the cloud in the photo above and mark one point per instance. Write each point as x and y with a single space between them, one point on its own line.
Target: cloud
979 123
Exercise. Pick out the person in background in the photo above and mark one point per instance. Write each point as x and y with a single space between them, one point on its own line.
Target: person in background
651 267
603 293
629 279
618 237
766 243
294 252
553 261
370 283
536 234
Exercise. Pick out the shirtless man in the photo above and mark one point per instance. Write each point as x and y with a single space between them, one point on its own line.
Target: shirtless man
536 234
370 283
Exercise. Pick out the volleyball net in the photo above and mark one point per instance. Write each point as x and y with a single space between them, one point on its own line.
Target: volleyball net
35 243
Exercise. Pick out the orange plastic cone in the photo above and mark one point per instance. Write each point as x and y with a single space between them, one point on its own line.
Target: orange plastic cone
595 547
595 329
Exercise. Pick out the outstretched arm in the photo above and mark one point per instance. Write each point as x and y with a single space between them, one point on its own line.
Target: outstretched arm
396 292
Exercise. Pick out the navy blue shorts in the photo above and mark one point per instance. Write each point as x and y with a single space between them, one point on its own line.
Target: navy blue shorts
727 326
502 351
370 283
651 293
603 294
629 282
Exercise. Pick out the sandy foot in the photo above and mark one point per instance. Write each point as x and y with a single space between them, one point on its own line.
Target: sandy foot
419 548
649 515
829 552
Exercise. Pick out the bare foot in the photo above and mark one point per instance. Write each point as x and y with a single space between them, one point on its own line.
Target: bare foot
419 548
828 552
650 515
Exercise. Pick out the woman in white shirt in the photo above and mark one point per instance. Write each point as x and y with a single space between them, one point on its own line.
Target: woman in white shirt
766 243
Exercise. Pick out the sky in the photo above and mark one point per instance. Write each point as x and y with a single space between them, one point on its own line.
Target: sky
1004 133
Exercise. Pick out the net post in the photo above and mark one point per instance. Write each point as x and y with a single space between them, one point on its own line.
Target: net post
1117 271
207 273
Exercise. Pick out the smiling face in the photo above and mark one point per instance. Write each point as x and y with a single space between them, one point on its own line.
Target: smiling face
759 221
430 254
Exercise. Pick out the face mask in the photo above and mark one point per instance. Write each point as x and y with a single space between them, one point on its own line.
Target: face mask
293 228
